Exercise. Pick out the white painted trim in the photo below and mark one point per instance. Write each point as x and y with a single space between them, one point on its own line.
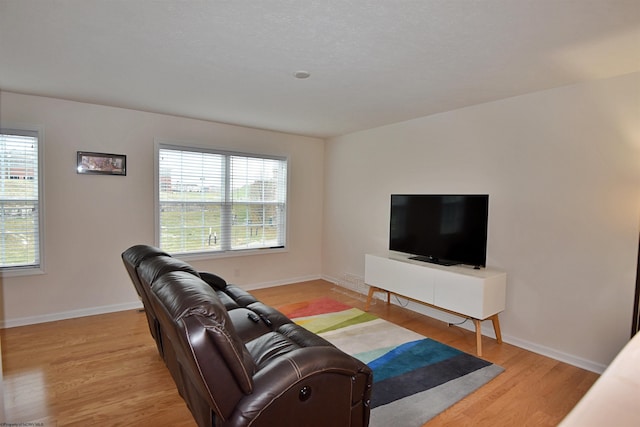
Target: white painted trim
64 315
40 268
275 283
556 354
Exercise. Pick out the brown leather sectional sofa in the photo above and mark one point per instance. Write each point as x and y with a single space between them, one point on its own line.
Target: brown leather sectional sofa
238 362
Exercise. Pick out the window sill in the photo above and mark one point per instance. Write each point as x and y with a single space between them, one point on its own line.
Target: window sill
21 271
196 256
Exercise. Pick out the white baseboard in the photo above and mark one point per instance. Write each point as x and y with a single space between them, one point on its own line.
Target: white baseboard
32 320
571 359
274 283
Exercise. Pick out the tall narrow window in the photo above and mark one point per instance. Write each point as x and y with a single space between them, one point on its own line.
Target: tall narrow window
19 200
216 201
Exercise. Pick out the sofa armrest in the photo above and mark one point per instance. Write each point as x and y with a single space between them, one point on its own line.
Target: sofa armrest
213 280
312 386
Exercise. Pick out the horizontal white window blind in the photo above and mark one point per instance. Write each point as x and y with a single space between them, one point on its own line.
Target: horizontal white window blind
19 200
216 201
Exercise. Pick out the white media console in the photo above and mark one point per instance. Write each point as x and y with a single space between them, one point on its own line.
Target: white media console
478 294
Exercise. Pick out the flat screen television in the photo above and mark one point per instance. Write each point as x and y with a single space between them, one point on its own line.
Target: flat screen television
444 229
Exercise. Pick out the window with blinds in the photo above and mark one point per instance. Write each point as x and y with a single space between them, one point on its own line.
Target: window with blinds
19 200
216 201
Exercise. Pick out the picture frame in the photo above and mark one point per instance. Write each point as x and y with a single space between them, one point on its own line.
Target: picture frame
101 163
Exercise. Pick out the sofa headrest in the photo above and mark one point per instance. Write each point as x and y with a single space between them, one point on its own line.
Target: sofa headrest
132 257
183 293
136 254
152 268
187 297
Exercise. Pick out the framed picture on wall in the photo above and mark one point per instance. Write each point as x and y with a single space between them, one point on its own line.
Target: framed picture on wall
101 163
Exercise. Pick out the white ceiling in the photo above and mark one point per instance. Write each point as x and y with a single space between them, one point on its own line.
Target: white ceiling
372 62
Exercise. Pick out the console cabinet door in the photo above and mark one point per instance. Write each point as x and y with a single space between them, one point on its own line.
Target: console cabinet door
459 293
413 281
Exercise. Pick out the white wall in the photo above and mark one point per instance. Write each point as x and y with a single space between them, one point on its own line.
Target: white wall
90 220
562 168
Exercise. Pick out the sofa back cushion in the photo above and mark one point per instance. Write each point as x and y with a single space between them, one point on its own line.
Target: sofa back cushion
132 258
152 268
183 296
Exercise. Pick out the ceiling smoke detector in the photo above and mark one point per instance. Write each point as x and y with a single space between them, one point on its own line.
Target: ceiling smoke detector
301 74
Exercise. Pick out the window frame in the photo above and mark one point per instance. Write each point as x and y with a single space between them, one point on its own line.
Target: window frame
39 267
195 255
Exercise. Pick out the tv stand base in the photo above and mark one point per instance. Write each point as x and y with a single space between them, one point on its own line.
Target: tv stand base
477 322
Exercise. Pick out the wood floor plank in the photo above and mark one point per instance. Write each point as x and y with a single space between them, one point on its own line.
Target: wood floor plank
105 370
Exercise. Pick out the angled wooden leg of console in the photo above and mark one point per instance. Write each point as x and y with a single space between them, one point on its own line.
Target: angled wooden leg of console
478 324
496 327
372 290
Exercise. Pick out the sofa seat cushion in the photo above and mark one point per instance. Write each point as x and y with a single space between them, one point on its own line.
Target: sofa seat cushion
287 338
302 336
268 347
247 325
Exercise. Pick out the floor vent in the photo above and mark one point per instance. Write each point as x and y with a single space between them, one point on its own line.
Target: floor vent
352 285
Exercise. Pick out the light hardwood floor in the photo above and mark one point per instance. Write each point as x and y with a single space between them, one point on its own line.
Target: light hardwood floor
105 370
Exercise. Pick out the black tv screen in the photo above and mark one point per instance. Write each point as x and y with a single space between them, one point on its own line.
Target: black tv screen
443 229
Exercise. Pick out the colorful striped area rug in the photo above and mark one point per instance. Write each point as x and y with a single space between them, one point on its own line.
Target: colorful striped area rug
415 378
